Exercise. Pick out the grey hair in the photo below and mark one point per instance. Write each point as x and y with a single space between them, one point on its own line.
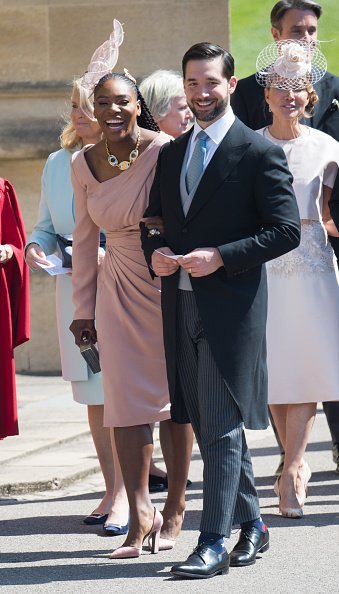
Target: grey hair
159 89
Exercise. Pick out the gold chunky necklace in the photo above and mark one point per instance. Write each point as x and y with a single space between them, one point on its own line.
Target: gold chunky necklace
123 165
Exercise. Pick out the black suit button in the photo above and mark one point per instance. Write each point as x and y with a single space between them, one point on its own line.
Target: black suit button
185 230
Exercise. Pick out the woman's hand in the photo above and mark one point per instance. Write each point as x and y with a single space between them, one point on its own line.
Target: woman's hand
331 228
6 253
34 253
78 327
155 223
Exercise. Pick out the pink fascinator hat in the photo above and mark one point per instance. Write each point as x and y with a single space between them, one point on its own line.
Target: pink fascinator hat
102 62
104 58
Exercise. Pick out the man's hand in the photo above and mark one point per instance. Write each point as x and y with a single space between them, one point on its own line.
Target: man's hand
163 266
201 262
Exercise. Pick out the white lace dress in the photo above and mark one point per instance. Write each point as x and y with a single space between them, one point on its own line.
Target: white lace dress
303 285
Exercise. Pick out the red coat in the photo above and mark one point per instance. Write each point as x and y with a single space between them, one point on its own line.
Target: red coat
14 305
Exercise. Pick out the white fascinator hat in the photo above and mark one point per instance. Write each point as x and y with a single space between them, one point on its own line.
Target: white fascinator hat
102 62
290 64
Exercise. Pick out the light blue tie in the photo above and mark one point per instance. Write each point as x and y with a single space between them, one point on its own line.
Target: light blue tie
196 164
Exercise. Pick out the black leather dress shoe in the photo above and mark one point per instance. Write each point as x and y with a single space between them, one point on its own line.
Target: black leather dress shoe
250 543
203 563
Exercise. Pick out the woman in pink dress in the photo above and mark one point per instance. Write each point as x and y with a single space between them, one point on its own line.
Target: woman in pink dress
111 185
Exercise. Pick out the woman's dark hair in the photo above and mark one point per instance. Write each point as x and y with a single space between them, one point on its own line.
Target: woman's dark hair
145 119
209 51
280 8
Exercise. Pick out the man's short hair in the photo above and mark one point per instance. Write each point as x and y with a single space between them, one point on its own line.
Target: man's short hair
209 51
280 8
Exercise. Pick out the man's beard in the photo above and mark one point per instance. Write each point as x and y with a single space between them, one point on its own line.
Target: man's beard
204 116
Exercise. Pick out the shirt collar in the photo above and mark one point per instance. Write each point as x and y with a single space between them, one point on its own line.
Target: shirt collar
218 129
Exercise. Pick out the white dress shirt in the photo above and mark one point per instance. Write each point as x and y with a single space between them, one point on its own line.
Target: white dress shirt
215 133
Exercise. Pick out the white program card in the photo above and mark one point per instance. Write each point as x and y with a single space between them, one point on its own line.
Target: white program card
173 257
55 266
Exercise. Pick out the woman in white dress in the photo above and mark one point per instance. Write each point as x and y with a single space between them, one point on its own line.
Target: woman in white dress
303 290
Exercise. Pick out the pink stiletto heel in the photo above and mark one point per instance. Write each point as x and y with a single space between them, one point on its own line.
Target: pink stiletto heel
166 544
154 535
127 552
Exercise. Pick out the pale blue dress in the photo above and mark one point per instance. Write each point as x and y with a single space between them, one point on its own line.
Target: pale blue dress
56 215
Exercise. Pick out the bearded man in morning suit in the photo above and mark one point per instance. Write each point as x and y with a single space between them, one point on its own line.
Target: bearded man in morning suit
227 204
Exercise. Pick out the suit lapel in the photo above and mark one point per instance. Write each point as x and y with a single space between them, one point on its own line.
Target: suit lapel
225 158
175 163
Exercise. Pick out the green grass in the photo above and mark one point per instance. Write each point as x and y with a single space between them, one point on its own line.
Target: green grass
251 31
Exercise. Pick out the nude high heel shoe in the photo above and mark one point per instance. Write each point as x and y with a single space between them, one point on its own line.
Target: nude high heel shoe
287 512
153 535
304 474
167 544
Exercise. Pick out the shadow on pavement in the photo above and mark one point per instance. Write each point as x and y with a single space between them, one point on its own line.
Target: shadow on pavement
318 520
274 450
97 571
70 524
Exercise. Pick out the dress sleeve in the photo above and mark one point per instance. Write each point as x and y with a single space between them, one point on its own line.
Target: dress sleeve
85 251
44 232
330 174
151 243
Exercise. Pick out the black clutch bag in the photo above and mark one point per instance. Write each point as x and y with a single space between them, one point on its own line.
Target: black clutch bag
90 353
65 243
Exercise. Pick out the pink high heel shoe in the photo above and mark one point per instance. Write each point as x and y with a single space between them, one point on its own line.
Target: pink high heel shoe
153 540
167 544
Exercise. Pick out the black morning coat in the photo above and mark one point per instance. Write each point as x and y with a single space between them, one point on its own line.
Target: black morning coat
245 206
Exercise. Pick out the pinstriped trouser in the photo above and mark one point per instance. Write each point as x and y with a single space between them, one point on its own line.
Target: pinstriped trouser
229 494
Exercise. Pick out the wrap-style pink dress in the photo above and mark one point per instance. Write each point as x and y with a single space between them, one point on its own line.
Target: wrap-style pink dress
124 299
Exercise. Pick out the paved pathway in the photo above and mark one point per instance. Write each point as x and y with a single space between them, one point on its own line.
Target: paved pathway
46 548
